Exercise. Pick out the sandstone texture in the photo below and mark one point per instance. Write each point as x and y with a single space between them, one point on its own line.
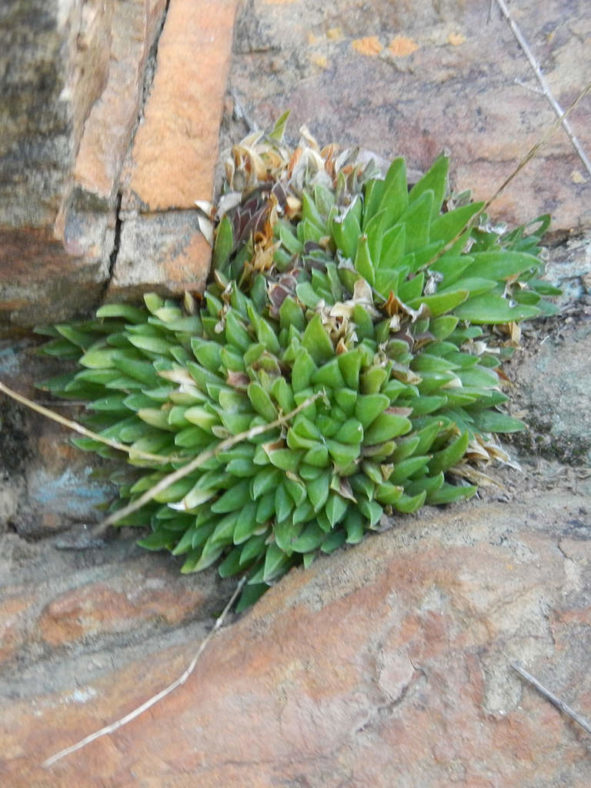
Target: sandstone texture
89 86
389 664
414 79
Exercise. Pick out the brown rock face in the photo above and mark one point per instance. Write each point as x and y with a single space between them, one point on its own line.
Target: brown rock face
385 665
74 98
413 79
55 65
179 132
174 153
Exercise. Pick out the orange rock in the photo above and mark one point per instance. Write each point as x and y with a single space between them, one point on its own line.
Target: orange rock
325 683
370 45
162 251
401 46
176 145
108 128
128 602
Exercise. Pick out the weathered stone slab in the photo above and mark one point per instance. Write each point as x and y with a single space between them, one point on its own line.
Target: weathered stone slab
163 252
414 79
385 665
175 148
112 119
73 93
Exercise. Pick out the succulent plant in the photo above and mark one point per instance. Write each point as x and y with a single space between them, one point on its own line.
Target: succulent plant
396 306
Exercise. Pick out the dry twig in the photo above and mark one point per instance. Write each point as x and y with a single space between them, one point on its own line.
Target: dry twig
544 84
202 458
155 698
73 425
555 701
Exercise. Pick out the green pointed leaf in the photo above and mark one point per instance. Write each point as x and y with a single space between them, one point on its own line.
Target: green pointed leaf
285 459
317 342
192 437
385 427
231 564
250 595
343 454
493 421
450 493
302 371
395 192
435 179
440 303
353 524
335 509
153 302
234 498
159 540
369 407
283 503
261 401
303 513
501 264
253 549
426 484
350 432
132 314
236 333
265 507
373 379
155 418
310 539
296 490
318 490
373 192
200 417
410 503
416 219
279 127
363 262
223 245
291 314
265 480
491 309
317 456
311 213
95 358
333 541
408 467
451 455
346 399
372 511
388 493
207 353
452 223
346 229
329 374
350 365
421 406
246 524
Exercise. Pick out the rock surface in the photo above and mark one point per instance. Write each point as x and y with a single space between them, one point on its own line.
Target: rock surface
75 95
389 664
412 79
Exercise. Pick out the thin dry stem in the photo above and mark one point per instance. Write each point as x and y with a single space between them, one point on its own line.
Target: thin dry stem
155 698
73 425
173 477
524 161
544 84
554 700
